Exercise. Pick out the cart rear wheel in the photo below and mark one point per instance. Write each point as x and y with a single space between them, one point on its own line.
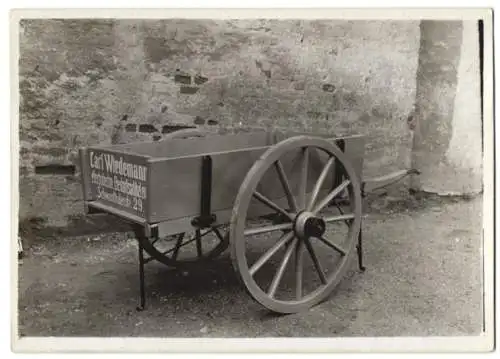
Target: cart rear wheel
187 248
296 260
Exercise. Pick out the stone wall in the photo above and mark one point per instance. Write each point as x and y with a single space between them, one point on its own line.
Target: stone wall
85 82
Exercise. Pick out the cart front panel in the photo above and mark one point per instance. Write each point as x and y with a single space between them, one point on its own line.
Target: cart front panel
116 180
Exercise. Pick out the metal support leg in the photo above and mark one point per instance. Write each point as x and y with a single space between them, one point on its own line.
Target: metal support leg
142 304
360 251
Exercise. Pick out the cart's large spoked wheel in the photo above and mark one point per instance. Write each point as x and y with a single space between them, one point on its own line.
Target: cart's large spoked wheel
294 259
187 248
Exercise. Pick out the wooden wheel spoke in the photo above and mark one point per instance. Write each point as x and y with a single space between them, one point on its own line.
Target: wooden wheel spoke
281 270
315 260
285 238
271 204
266 229
319 183
349 218
177 236
206 232
343 217
218 234
198 243
286 186
299 268
303 178
178 245
332 245
331 195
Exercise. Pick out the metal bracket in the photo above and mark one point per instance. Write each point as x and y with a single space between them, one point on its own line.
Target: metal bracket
371 184
339 170
206 218
139 234
142 289
359 248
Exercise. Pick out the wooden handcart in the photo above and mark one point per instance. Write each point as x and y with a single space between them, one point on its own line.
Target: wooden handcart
287 205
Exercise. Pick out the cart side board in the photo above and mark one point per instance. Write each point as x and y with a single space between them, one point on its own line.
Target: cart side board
182 147
165 192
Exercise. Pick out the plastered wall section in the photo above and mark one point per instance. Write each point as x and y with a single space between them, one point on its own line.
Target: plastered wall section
85 82
448 135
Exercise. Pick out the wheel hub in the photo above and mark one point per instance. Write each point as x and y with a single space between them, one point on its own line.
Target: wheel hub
308 225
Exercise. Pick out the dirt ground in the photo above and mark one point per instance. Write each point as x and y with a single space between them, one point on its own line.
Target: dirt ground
423 277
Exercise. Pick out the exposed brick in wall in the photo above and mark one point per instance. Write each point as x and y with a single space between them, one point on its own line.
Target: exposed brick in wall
189 90
54 169
87 82
173 128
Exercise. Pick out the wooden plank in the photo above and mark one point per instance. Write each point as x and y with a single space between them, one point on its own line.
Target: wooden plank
111 209
212 143
355 152
85 174
175 188
176 183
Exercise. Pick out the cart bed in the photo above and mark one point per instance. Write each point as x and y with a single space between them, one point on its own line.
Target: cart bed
159 183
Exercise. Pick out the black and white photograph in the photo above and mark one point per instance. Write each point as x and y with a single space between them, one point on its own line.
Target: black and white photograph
192 176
